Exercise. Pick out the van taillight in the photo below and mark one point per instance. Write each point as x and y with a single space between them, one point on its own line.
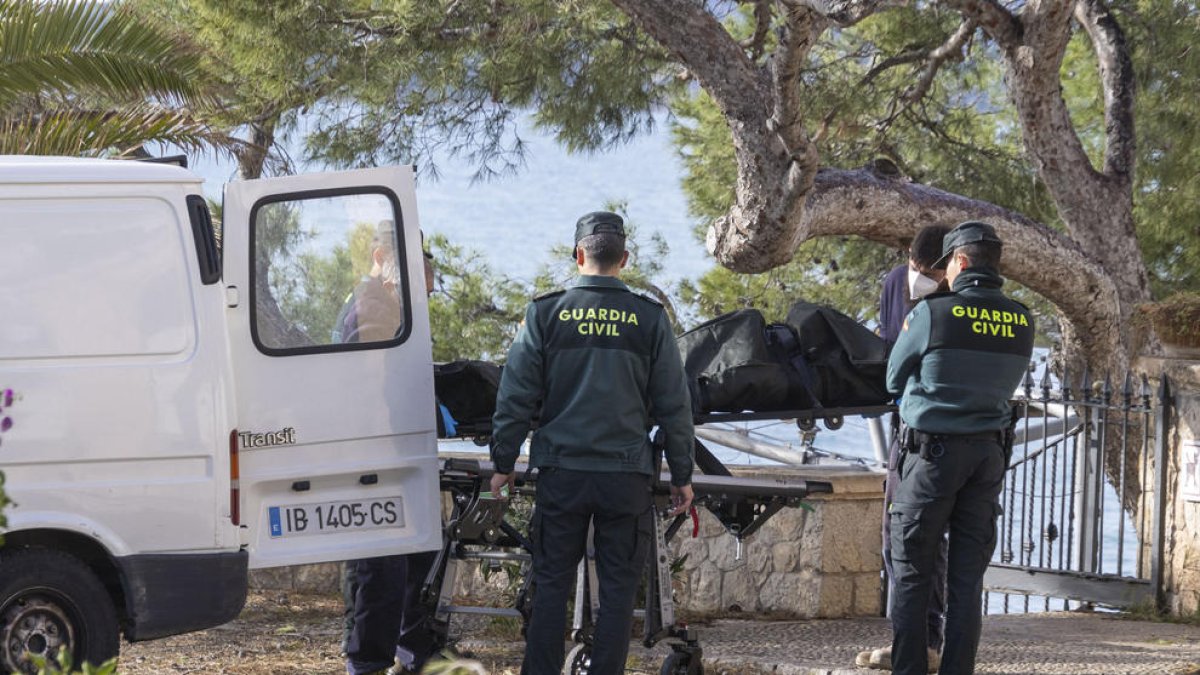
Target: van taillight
235 492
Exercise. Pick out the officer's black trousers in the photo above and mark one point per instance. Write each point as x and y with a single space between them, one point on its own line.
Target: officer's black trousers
937 590
618 507
959 489
388 619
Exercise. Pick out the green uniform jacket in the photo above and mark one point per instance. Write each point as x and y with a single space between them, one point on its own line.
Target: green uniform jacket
961 356
602 365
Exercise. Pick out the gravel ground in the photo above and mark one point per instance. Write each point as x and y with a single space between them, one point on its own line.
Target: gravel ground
292 633
276 633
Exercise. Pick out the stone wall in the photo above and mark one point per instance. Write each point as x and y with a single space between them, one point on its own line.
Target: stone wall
804 564
1181 554
322 578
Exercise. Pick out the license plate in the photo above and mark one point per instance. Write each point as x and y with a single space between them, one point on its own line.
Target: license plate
364 514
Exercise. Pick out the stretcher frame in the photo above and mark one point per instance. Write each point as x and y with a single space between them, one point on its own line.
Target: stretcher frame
477 530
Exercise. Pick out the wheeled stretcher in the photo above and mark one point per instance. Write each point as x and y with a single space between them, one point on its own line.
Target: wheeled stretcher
479 529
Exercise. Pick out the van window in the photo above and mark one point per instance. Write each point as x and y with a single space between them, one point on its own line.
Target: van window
329 273
94 278
207 252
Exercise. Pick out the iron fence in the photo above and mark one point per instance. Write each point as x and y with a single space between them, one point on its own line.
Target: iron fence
1081 510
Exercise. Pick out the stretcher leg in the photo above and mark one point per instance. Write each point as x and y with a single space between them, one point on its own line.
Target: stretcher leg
477 530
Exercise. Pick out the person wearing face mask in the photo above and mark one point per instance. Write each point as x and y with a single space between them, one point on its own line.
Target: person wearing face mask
908 283
374 312
903 288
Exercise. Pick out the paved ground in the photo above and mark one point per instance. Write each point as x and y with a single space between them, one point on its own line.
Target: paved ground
1084 644
1011 645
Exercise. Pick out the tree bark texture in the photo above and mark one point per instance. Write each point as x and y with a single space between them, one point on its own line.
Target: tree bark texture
1093 272
252 156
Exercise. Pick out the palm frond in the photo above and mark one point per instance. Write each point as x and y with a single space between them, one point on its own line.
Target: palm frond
78 45
91 132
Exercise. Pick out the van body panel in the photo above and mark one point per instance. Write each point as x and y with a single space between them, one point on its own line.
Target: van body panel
41 521
172 594
119 358
116 263
327 426
41 171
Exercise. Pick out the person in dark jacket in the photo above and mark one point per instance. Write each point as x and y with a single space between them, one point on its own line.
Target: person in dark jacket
601 365
958 360
385 624
903 288
906 284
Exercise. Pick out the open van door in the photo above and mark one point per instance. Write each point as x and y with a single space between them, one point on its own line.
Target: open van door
329 332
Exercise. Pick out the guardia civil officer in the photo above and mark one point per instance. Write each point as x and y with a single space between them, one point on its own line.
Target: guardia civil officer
903 287
602 365
957 362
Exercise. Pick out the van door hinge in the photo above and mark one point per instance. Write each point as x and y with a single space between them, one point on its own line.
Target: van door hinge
231 296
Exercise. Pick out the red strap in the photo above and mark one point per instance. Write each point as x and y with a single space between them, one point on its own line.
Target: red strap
695 522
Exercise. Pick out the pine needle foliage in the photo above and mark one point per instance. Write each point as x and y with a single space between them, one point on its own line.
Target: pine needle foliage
365 83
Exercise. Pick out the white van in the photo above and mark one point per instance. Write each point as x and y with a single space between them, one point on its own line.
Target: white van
188 406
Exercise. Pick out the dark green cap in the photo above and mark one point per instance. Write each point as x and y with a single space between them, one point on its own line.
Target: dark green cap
598 222
970 232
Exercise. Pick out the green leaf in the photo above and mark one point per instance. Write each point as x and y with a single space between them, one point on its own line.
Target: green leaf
67 47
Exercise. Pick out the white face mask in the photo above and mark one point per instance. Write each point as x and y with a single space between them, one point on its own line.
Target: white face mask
919 285
390 272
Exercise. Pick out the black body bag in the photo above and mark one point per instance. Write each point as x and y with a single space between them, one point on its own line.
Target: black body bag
848 363
468 390
731 367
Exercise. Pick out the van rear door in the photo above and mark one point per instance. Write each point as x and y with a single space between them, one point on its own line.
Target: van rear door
329 332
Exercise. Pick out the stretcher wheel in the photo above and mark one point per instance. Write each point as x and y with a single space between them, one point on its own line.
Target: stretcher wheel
834 423
579 660
806 423
681 663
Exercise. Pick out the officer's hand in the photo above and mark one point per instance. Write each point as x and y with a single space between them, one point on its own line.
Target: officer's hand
681 499
500 480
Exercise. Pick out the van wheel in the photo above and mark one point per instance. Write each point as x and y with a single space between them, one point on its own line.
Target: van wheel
50 600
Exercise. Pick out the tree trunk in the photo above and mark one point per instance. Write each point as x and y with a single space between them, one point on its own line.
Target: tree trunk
253 156
1093 273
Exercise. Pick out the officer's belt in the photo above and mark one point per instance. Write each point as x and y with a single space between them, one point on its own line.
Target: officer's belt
997 435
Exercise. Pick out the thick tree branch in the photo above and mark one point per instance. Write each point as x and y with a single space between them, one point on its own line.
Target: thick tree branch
1097 209
1116 77
762 26
694 36
842 12
1033 51
1047 25
802 27
993 18
890 209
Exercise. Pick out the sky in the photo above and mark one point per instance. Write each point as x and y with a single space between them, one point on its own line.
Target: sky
514 220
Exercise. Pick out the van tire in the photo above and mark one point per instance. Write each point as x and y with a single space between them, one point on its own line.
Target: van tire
44 593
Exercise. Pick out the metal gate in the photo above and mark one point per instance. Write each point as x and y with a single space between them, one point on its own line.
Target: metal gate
1082 525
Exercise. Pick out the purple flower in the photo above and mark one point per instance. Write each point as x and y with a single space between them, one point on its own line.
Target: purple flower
6 424
8 399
